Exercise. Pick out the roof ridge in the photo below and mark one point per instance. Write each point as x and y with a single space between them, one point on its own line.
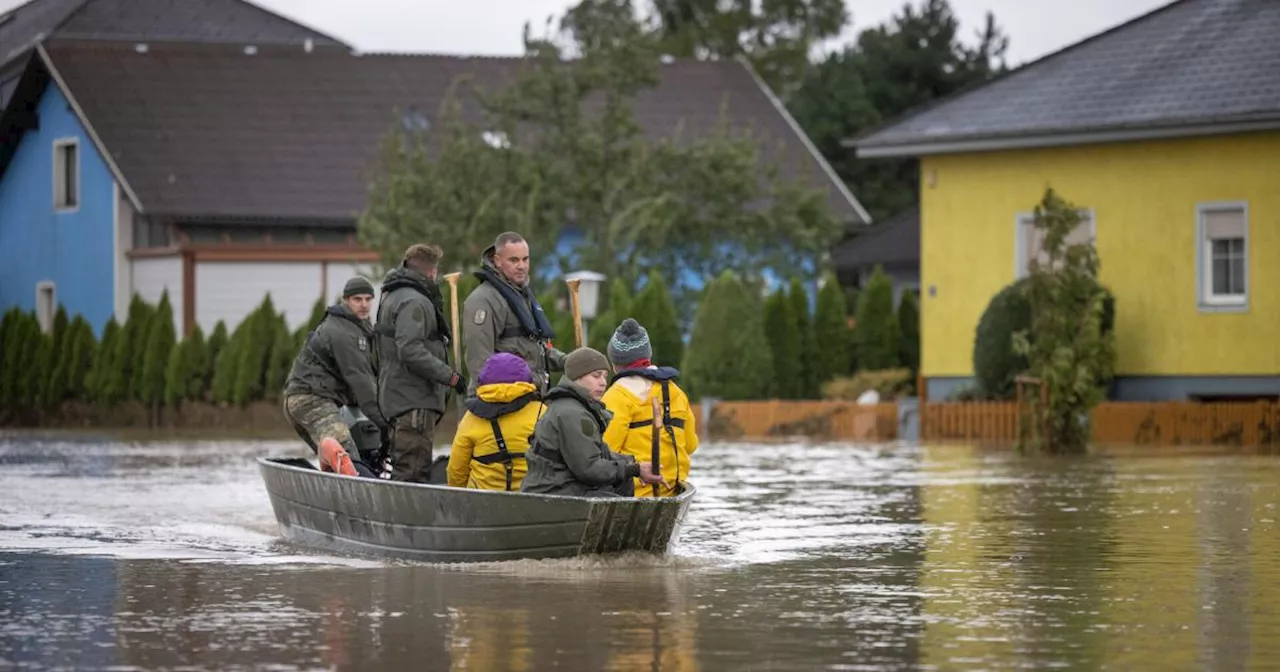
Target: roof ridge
295 22
979 85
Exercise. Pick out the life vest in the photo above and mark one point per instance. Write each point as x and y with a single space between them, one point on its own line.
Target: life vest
533 323
663 376
493 412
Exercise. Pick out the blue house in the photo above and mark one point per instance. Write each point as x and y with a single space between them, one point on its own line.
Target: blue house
223 172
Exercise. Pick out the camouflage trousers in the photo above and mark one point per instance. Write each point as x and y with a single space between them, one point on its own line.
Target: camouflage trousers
316 419
412 437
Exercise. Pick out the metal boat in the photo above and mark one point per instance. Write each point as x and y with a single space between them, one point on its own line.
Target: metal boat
437 523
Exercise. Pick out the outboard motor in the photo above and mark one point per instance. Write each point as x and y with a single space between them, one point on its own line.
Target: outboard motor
368 439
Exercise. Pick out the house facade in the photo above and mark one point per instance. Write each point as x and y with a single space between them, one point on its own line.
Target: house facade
1174 167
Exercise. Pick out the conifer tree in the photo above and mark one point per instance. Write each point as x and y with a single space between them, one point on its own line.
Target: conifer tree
876 333
131 350
160 343
11 330
728 355
82 356
807 347
280 361
654 309
213 349
784 346
102 383
831 331
254 358
31 365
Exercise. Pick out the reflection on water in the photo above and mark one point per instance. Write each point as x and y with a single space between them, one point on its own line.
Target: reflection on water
152 556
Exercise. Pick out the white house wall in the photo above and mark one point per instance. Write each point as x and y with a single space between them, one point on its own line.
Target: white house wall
123 242
151 276
229 291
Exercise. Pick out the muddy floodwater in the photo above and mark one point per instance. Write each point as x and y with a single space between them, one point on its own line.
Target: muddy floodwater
165 555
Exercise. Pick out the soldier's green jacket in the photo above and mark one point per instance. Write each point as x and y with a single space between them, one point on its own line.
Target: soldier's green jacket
500 317
338 363
413 345
570 457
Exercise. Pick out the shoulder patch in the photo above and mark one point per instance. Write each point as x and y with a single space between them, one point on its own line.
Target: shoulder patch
418 315
362 343
479 317
588 427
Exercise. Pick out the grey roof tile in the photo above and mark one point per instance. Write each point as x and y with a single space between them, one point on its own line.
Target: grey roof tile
207 131
891 242
1189 62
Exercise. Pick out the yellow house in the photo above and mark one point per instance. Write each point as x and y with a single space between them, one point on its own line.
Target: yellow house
1166 131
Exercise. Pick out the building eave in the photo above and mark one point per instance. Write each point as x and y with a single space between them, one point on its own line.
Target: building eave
88 128
804 139
1101 136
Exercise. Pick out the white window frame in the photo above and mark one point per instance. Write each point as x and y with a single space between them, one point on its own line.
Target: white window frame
1207 301
59 188
45 312
1026 219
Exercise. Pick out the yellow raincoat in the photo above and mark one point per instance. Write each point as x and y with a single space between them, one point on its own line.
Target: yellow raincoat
516 407
631 430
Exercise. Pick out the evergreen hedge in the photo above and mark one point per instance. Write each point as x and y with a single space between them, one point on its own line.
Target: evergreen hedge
806 386
655 310
784 346
876 330
831 332
728 355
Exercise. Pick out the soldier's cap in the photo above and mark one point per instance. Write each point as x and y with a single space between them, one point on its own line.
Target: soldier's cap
357 286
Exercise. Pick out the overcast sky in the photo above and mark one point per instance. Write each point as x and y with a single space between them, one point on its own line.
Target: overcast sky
1035 27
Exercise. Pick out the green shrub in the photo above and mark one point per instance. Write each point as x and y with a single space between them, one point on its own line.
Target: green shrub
909 331
728 355
280 361
184 374
102 382
655 310
995 364
11 331
253 363
831 331
160 343
876 330
784 346
212 350
806 386
132 348
82 355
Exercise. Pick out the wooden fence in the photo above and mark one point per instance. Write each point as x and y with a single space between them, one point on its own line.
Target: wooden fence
1132 423
823 420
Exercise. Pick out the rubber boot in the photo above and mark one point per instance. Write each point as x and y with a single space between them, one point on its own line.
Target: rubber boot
334 458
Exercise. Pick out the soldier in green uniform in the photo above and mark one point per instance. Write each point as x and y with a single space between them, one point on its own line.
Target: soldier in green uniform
415 374
502 314
337 367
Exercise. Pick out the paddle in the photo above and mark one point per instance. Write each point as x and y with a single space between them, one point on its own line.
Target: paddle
452 278
577 310
656 456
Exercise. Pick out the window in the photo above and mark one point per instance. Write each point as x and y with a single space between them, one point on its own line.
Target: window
66 174
1222 255
148 232
45 305
1029 241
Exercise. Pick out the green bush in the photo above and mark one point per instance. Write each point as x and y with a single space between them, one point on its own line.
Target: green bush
802 320
184 374
212 350
280 361
831 331
159 344
995 364
253 363
11 331
226 365
40 371
909 331
728 355
83 353
132 348
784 346
103 381
654 309
876 330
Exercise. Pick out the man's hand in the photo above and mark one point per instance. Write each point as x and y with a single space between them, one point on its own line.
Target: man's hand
648 477
458 383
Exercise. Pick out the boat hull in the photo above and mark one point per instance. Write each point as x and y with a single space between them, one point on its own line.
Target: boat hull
434 523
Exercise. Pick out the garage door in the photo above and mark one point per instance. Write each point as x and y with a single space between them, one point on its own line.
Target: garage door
229 291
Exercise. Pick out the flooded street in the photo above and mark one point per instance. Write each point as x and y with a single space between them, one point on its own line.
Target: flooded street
794 557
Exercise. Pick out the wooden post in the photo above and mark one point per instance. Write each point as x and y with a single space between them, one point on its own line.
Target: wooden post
577 310
452 279
656 457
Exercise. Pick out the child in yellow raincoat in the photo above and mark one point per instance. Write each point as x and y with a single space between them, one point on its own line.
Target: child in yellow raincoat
489 446
629 398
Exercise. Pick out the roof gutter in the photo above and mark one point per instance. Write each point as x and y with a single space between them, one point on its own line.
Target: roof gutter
990 144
